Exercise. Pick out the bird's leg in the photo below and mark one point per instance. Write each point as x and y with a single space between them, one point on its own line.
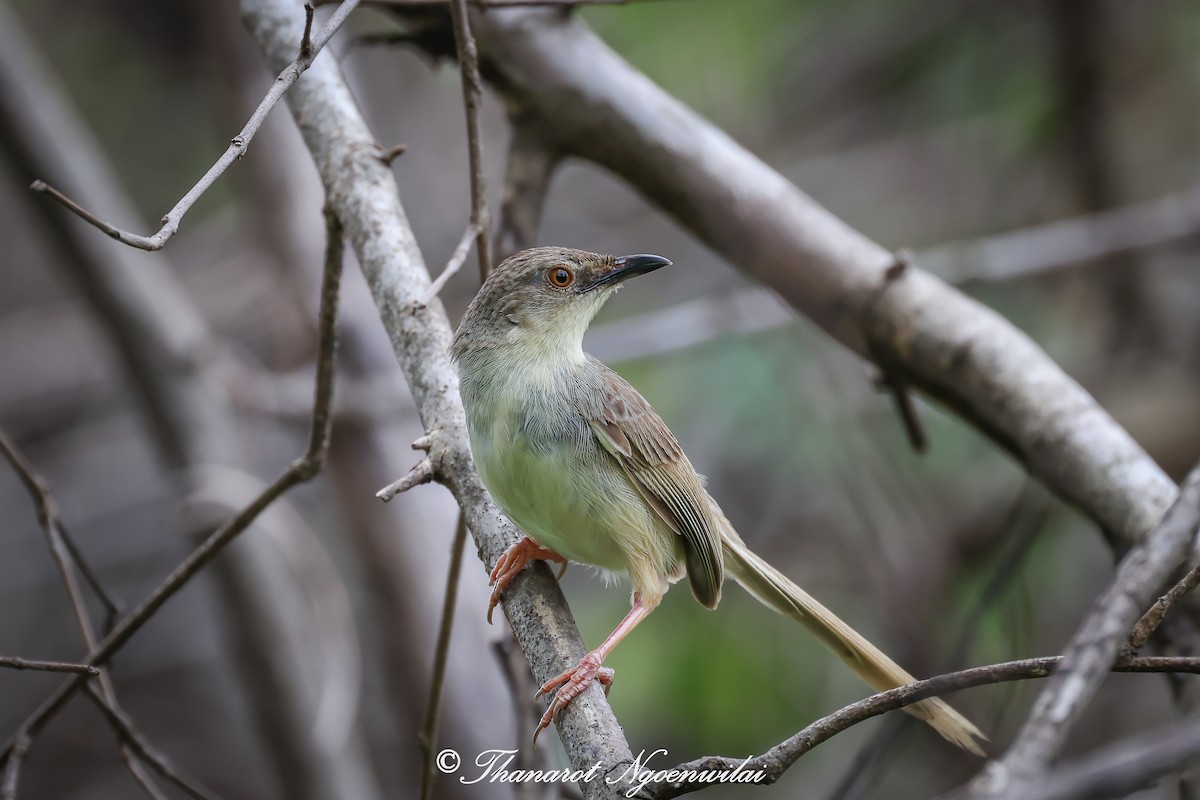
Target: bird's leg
573 681
513 561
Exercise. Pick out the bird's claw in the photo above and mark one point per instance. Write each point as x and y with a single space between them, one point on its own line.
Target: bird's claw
512 561
569 685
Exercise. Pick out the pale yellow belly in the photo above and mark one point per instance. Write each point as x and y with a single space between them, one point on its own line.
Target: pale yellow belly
572 498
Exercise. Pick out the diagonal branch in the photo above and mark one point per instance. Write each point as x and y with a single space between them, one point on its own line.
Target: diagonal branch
130 737
472 88
1095 646
1150 621
9 662
1122 768
531 163
300 471
48 518
779 758
590 103
310 48
365 196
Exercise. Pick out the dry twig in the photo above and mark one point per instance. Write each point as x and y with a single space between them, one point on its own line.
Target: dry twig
1094 647
428 735
1150 621
779 758
300 471
365 194
129 736
47 513
472 88
9 662
309 49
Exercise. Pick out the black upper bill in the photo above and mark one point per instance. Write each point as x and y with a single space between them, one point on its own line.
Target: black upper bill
629 267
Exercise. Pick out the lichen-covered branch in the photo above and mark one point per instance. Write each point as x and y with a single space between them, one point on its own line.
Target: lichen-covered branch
363 193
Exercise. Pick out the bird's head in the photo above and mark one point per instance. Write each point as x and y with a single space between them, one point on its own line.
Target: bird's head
542 300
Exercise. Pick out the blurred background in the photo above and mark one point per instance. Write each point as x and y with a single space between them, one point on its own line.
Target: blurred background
159 392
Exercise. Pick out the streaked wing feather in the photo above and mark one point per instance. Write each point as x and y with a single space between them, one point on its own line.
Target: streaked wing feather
630 429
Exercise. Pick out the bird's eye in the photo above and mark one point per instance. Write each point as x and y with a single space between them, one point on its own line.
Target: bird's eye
561 276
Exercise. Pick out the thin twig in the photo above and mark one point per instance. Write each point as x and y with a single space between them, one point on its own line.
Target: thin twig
12 771
428 735
237 145
47 666
300 471
1150 621
112 606
306 40
48 518
392 153
1026 514
1095 646
779 758
472 87
457 259
420 474
531 163
128 733
1122 768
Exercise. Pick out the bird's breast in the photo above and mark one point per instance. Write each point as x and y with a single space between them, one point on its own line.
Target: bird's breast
540 461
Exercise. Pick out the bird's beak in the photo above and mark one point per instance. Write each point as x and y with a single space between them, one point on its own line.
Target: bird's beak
629 267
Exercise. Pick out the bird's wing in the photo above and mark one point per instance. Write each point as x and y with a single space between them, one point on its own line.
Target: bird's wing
629 429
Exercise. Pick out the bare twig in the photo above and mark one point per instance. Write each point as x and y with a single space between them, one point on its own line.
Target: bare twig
47 513
300 471
1095 646
906 409
131 736
1055 245
419 475
237 145
47 666
112 606
1150 621
472 87
457 258
12 770
1025 516
941 342
429 727
306 44
368 203
1122 768
779 758
392 153
531 163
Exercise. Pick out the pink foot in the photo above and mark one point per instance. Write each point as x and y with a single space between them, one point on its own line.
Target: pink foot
513 561
570 684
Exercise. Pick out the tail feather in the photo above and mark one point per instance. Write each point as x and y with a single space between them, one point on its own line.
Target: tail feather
774 590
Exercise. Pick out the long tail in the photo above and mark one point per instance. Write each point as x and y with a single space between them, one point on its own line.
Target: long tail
774 590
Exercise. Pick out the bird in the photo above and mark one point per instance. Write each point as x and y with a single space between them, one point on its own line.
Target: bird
589 472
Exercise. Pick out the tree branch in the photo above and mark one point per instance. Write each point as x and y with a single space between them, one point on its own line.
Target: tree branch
310 48
300 471
1148 624
1094 647
779 758
364 194
9 662
590 103
1122 768
531 163
47 513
